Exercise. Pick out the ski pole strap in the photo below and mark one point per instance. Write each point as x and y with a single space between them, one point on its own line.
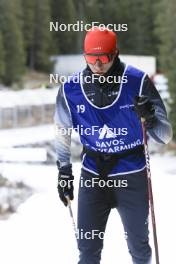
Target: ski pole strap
106 161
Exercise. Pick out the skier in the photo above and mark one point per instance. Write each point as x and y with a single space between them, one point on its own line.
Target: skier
113 150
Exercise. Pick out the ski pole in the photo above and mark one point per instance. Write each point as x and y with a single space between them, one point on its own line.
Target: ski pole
71 215
150 192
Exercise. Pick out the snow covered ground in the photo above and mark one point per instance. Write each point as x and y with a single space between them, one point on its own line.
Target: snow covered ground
41 230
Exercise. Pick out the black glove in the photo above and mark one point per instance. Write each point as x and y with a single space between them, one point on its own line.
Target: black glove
145 108
65 182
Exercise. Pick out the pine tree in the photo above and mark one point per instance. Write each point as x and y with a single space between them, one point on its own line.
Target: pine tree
139 16
145 41
28 26
42 35
12 41
64 12
1 58
165 30
37 37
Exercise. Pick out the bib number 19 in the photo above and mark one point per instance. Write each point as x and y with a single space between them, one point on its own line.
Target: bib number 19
80 108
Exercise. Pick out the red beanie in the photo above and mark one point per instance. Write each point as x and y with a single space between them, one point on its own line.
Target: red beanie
100 40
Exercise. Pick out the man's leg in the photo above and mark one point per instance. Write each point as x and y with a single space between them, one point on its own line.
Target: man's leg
93 212
133 207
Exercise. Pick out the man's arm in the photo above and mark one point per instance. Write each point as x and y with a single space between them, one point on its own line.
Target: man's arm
63 126
162 131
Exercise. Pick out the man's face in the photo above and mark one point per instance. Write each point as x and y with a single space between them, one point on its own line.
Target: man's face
101 68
